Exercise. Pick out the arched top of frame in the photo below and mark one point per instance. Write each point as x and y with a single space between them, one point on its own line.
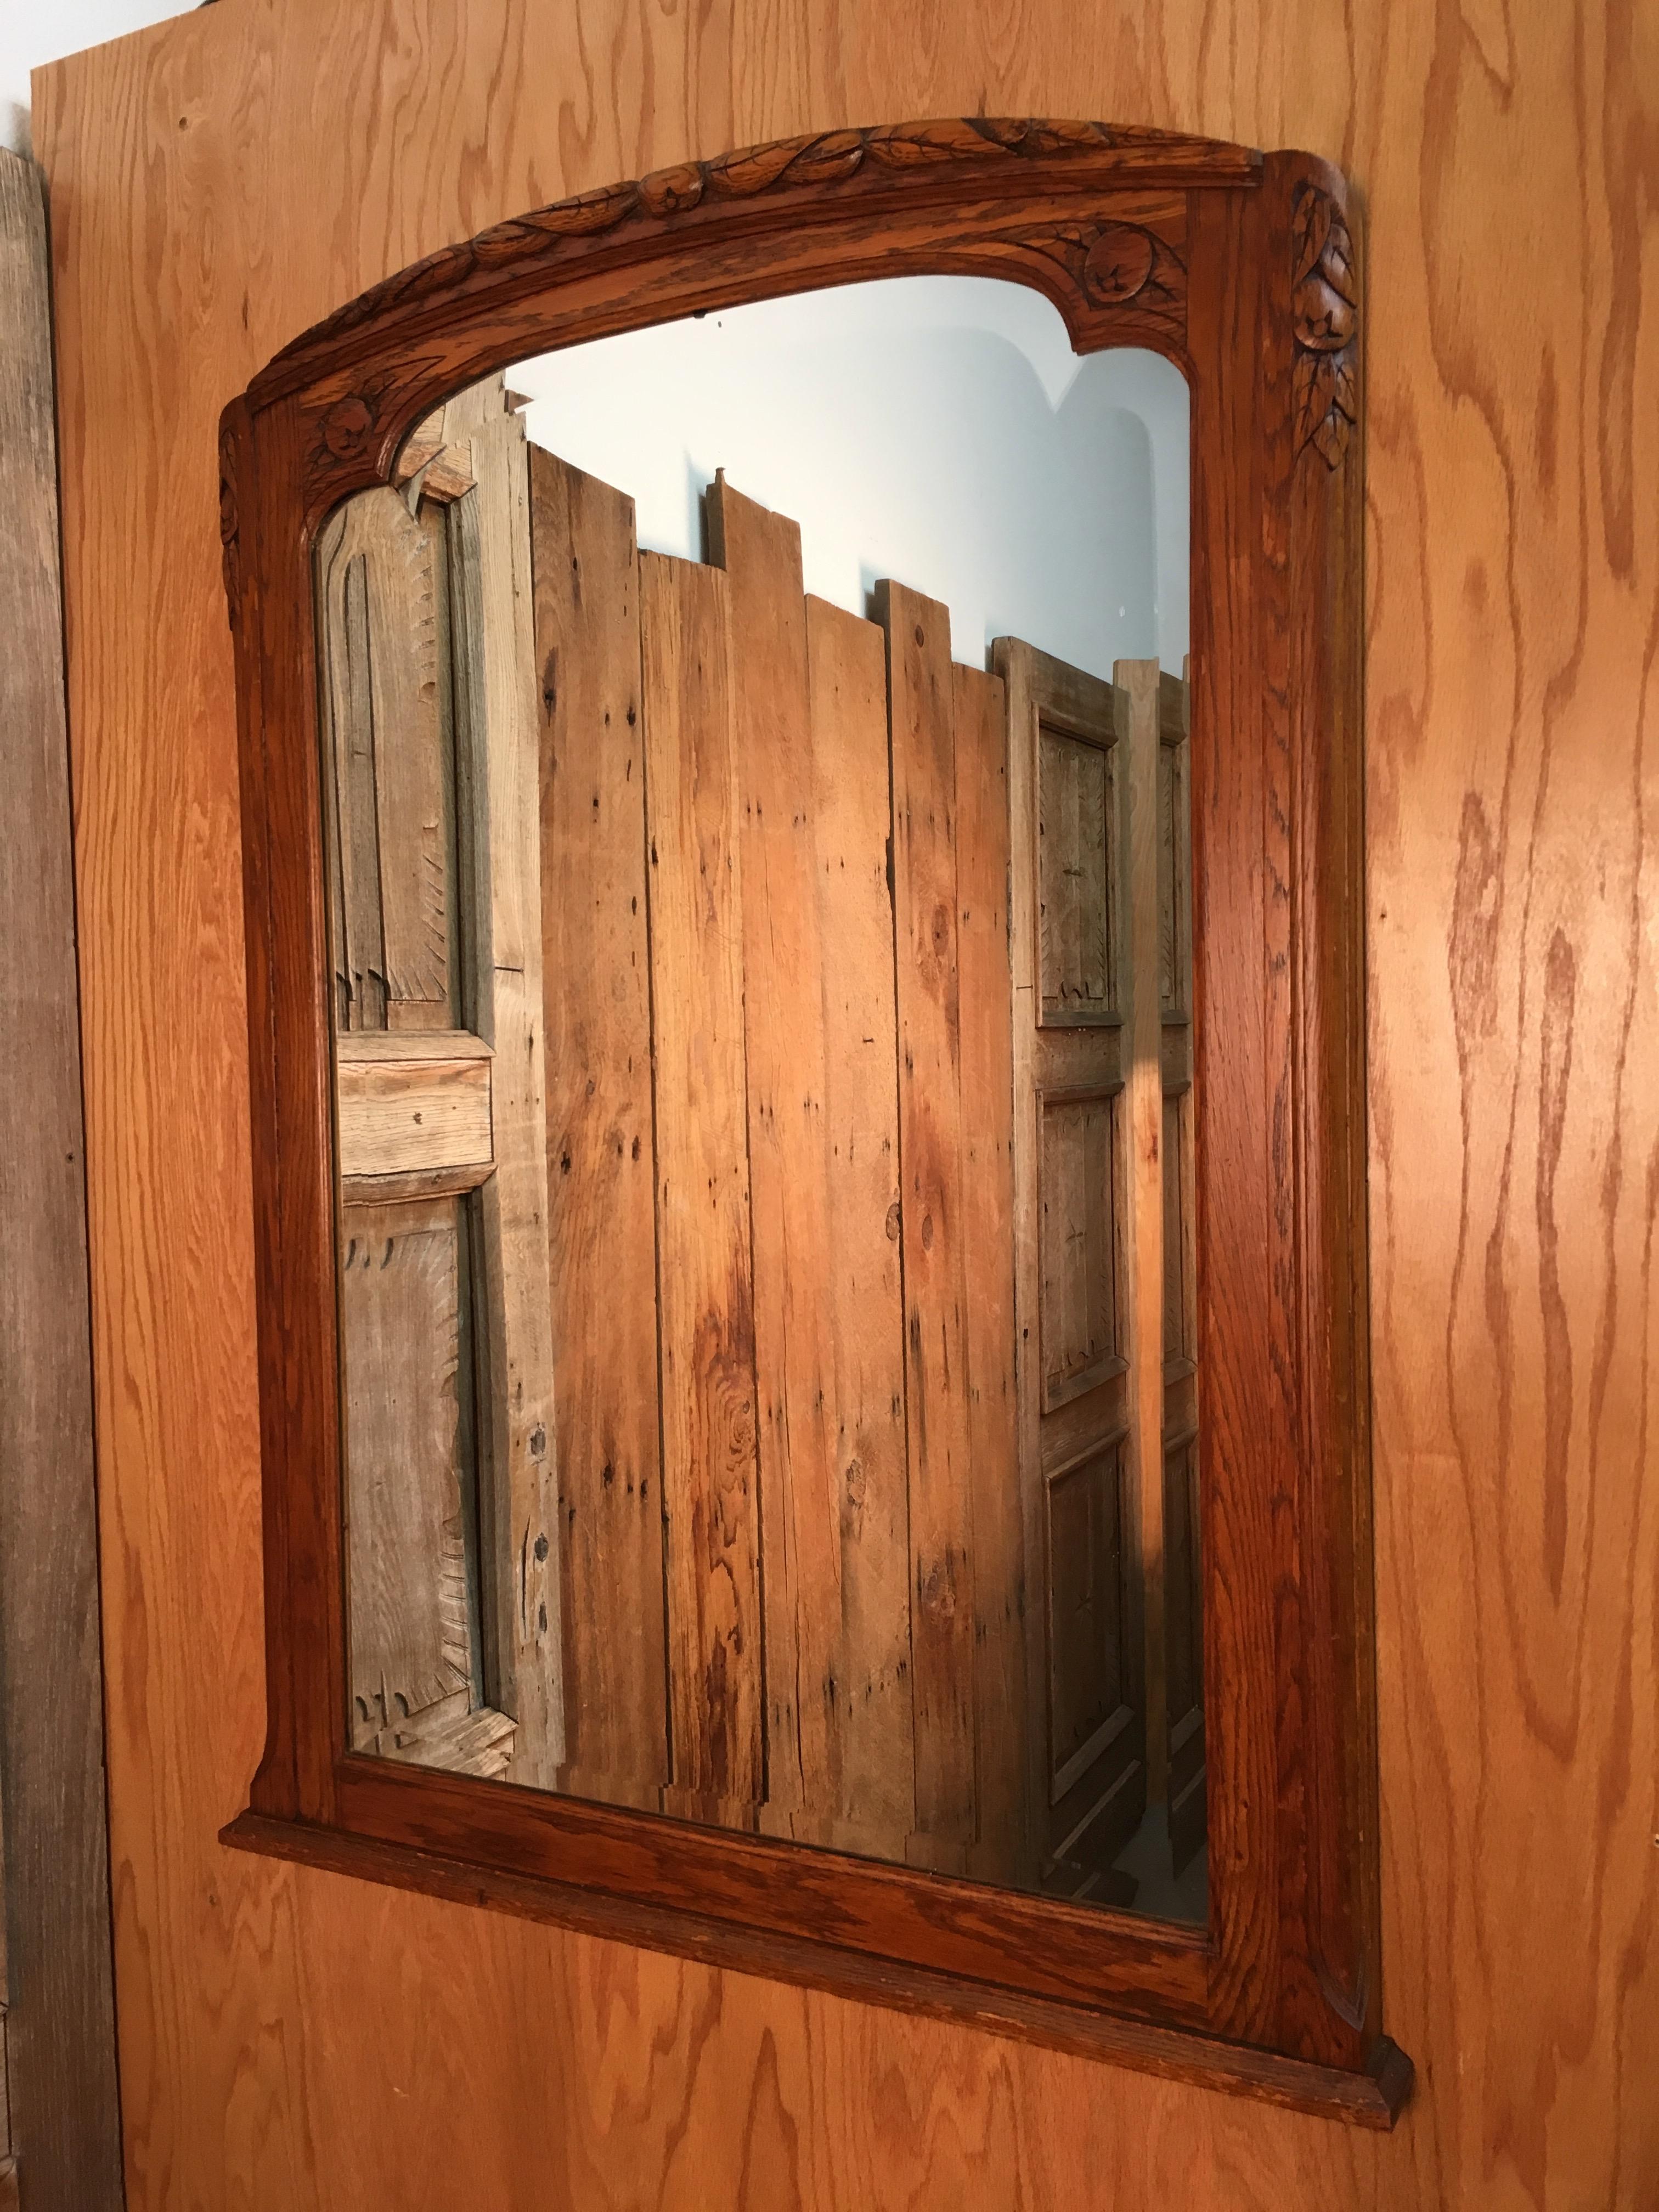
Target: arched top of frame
926 160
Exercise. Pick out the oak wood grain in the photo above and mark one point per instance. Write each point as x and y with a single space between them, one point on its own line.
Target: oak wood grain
274 2021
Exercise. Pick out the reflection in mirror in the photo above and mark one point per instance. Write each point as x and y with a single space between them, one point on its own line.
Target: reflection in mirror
758 822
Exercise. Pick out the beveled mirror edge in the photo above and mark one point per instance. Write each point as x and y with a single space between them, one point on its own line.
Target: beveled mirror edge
313 427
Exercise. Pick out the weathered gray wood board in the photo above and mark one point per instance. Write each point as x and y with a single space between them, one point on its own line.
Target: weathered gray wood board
60 2028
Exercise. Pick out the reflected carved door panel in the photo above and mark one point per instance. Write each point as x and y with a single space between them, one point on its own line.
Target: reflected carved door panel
1101 949
429 742
1084 1730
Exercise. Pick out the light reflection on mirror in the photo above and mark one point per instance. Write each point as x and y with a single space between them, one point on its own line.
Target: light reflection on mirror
758 828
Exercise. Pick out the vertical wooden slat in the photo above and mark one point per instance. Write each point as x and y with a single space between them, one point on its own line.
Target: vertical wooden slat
60 2029
710 1473
1014 663
1136 683
498 741
806 1686
822 1152
848 685
1000 1852
601 1234
922 719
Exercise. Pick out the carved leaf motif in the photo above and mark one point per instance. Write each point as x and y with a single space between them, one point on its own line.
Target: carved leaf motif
1325 322
1325 408
669 192
813 161
1311 222
1336 262
825 158
230 526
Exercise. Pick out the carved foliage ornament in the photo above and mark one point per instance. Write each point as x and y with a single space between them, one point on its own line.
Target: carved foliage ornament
824 159
1116 263
1325 310
229 529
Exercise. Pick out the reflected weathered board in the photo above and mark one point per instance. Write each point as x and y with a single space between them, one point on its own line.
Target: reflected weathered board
600 1139
835 1501
847 687
704 1281
498 750
1003 1849
922 717
822 1123
402 1288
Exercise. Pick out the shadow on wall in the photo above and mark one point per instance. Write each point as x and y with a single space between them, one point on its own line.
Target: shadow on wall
939 430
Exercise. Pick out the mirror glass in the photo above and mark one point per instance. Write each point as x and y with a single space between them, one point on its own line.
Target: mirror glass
755 780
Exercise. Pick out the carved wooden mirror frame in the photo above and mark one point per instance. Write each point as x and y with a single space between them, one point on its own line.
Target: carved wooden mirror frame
1240 269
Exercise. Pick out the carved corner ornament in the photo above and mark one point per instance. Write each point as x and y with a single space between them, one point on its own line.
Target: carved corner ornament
1116 264
1325 310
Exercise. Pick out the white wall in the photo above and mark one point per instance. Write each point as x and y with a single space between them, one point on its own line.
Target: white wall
936 429
34 31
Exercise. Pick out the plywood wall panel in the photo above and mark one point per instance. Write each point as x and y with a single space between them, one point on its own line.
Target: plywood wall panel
286 2037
